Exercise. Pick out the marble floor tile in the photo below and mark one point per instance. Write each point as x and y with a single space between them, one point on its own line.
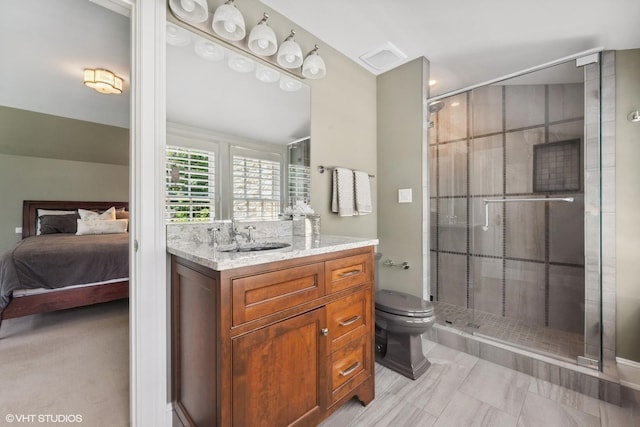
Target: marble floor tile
460 391
540 411
618 416
433 390
565 396
466 411
346 414
390 410
498 386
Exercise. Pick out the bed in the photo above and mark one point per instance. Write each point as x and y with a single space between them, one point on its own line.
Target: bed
43 272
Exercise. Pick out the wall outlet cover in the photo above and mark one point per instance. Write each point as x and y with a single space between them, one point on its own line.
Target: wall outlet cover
405 195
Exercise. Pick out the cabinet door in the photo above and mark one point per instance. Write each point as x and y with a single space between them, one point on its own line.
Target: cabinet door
277 378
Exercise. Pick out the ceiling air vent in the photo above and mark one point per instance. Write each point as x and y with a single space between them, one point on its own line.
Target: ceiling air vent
384 57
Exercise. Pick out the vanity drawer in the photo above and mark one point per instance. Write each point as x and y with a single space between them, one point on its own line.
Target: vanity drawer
349 317
267 293
349 366
349 271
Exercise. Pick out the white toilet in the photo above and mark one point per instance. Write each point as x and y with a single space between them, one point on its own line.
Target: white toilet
401 319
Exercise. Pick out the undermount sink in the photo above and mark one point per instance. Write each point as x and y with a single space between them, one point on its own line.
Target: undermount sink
254 247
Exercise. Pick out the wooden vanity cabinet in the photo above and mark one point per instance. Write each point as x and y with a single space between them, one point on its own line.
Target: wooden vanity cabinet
278 344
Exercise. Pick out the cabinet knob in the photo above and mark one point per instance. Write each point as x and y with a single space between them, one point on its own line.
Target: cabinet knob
325 331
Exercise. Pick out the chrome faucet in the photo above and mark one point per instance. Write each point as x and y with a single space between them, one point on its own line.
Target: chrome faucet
214 233
248 235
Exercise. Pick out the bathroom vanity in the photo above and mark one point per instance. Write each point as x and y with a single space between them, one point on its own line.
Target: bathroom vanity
272 338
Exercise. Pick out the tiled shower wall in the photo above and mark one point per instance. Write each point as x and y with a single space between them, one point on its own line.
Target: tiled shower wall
529 264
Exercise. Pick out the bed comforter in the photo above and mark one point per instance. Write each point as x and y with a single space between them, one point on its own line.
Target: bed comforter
58 260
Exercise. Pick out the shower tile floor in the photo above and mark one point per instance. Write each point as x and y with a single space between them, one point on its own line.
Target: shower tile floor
539 339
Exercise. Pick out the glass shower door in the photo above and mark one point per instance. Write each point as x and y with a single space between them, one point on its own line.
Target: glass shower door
529 171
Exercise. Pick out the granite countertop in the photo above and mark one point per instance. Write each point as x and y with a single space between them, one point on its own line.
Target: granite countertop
205 255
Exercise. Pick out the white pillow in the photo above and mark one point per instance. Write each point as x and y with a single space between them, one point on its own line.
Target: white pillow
109 214
42 212
102 226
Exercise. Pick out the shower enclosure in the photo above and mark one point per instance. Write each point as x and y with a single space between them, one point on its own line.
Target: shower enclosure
515 211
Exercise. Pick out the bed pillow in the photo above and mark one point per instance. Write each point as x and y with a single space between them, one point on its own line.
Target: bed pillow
51 224
122 214
104 226
42 212
109 214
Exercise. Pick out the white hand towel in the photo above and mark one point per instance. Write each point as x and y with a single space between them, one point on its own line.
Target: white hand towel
362 193
342 200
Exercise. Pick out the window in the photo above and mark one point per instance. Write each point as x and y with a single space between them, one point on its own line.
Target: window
299 172
190 185
256 181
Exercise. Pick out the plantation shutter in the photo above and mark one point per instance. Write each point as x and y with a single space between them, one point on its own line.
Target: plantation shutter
256 180
190 185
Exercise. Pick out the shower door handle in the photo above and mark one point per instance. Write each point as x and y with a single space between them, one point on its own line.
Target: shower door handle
485 227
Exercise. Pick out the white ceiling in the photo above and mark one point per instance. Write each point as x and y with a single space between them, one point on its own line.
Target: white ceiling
469 41
45 46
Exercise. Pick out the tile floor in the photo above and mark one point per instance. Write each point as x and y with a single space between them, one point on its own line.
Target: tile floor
462 390
536 338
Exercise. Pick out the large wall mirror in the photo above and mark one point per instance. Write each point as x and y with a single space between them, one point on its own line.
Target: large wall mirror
238 133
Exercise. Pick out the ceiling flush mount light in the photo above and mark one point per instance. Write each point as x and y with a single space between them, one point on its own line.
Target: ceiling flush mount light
634 116
290 53
190 10
262 39
103 81
208 50
177 36
314 66
228 22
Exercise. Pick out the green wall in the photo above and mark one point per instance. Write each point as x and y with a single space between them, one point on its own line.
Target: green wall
26 133
401 151
627 205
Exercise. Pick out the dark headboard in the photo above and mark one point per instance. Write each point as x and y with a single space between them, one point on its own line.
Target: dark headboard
30 210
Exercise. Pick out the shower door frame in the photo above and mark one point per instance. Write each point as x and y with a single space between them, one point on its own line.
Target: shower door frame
593 352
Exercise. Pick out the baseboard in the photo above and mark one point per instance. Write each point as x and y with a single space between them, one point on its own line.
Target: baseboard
627 362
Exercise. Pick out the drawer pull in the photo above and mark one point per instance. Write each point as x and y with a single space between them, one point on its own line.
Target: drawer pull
351 321
324 331
351 370
350 273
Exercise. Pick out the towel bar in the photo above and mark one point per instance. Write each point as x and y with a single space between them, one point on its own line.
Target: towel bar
321 169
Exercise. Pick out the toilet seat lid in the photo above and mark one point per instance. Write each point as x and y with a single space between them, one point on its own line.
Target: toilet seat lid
396 302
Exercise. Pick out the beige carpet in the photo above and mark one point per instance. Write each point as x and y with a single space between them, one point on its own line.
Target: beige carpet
57 366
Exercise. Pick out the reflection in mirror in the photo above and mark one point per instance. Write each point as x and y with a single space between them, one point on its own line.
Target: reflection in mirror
299 172
223 103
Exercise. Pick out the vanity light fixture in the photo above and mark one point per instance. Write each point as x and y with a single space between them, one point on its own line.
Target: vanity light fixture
190 10
177 36
290 53
262 39
266 74
289 84
634 116
314 66
103 81
240 63
228 22
208 50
